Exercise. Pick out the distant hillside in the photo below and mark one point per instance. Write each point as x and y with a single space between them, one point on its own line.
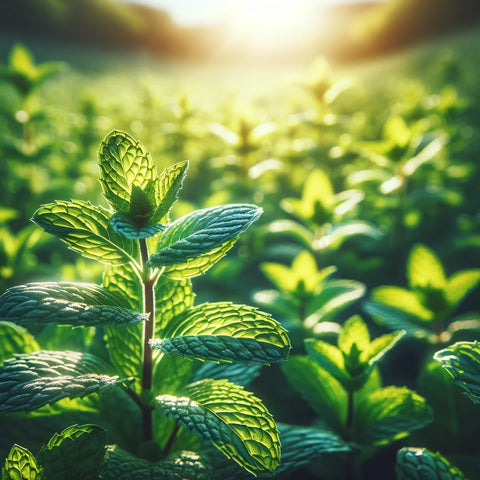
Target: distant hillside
345 32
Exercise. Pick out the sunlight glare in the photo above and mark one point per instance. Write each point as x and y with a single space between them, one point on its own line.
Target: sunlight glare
266 25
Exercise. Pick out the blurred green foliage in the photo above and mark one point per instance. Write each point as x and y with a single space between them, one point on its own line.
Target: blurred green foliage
371 176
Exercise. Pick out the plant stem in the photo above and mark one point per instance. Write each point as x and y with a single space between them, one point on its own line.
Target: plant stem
148 332
171 440
350 412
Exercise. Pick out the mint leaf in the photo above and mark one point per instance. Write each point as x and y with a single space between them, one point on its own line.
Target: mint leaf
421 464
77 304
389 414
424 269
320 389
169 184
226 332
199 265
172 298
302 445
402 299
234 420
354 332
30 381
15 339
201 232
121 224
77 453
124 163
21 464
121 465
460 284
329 357
237 373
125 343
462 362
86 229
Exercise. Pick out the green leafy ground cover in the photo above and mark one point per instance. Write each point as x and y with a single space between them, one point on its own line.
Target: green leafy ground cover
367 252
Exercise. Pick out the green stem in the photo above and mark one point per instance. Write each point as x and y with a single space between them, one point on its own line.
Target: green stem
148 333
171 440
350 412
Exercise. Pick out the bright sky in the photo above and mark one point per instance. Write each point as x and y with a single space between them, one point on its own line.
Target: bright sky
195 12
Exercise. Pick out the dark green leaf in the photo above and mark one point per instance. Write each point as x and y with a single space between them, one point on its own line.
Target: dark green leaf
462 362
302 445
121 465
235 421
86 229
125 227
30 381
235 373
77 453
226 332
77 304
201 232
320 389
20 464
124 162
421 464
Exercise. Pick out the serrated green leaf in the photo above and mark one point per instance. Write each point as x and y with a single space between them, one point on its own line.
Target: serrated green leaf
302 445
462 362
124 162
20 464
15 339
236 373
234 420
354 332
64 303
30 381
389 414
226 332
201 232
321 390
122 225
460 284
422 464
77 453
121 465
402 299
125 344
86 229
424 269
171 374
172 298
169 184
198 266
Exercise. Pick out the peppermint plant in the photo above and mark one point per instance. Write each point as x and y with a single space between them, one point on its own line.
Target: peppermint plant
343 386
144 385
